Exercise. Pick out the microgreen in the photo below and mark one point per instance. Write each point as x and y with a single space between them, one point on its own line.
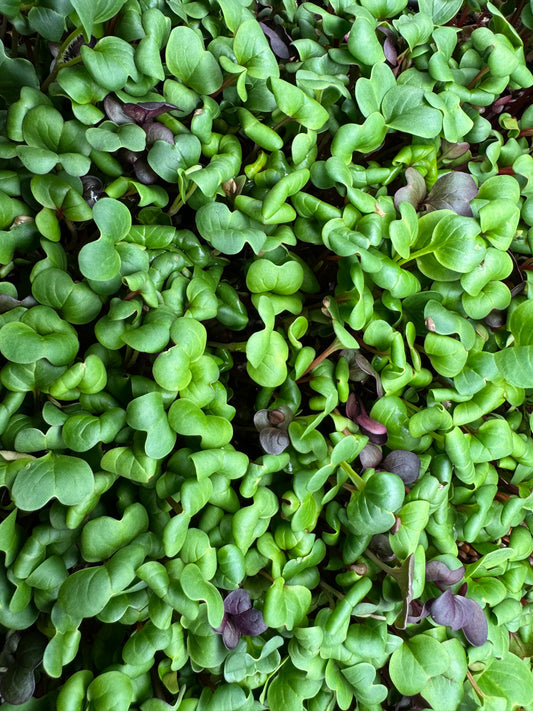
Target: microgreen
266 355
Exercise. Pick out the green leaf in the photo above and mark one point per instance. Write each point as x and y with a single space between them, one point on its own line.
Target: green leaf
404 109
252 51
446 690
515 365
197 588
228 231
286 605
168 160
111 691
60 476
509 678
95 12
413 519
147 413
363 138
190 63
294 102
267 354
110 63
441 11
186 418
40 333
371 509
413 664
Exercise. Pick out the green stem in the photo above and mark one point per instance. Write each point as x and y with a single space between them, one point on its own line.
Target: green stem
239 346
384 567
354 476
335 346
415 255
179 203
57 67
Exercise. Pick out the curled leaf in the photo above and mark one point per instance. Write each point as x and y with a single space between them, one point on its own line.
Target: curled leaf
415 190
438 572
374 430
147 110
277 38
274 441
157 132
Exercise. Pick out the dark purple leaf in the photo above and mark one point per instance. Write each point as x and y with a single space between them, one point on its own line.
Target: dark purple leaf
476 629
363 364
251 622
459 612
449 609
403 463
237 602
417 612
114 111
239 618
391 54
370 456
231 634
148 110
453 191
389 46
273 440
92 189
352 407
261 420
278 39
439 573
144 173
415 190
157 132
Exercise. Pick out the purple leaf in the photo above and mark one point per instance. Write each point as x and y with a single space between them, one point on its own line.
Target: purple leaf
237 601
459 612
278 39
239 618
157 132
417 612
476 629
273 440
231 634
374 430
144 173
370 456
439 573
453 191
92 189
415 190
451 151
403 463
114 111
148 110
251 622
449 609
352 407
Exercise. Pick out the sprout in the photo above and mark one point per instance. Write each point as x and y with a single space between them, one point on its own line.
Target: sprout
240 617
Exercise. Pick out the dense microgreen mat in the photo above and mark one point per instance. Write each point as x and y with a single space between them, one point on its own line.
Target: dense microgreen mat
266 355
